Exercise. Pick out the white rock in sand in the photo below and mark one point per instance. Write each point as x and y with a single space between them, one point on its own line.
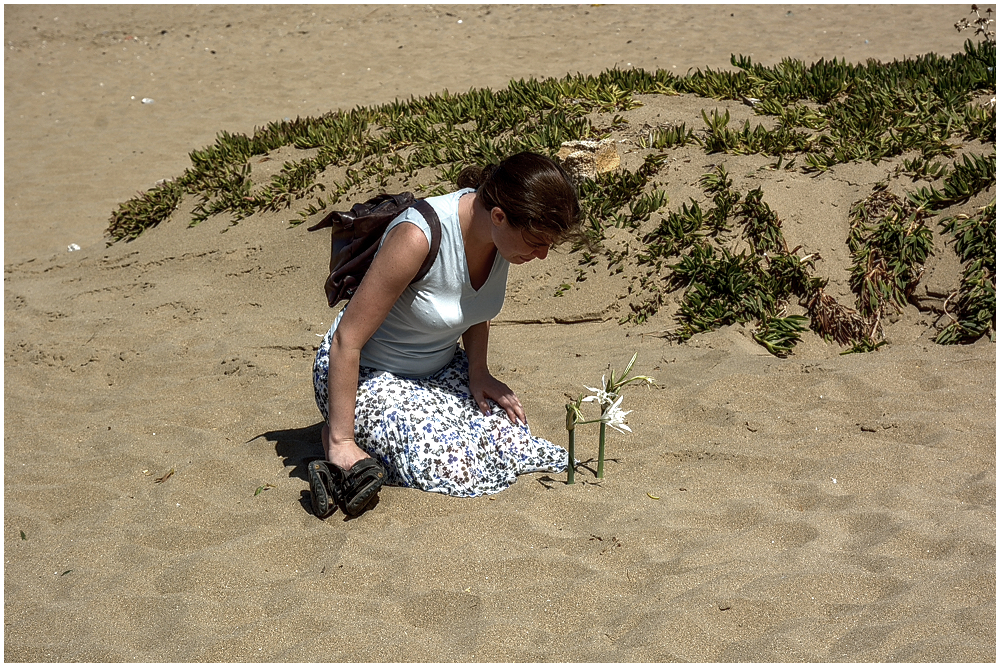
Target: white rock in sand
586 159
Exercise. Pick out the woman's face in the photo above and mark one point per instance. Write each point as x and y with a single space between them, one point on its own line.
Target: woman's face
515 245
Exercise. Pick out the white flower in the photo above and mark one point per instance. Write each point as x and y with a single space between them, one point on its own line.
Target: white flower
614 416
600 395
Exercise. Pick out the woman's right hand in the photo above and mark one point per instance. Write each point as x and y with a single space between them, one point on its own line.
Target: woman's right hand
343 453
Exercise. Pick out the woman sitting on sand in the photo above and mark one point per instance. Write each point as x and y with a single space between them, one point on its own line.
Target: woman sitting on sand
403 404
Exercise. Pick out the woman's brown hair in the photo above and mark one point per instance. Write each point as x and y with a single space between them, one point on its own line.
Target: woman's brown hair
533 191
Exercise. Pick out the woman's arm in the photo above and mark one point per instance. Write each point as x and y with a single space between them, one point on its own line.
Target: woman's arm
482 384
393 268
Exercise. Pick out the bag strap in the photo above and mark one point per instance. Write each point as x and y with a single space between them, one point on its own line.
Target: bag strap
431 216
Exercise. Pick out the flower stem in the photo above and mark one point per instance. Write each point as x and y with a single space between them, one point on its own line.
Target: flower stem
571 468
600 453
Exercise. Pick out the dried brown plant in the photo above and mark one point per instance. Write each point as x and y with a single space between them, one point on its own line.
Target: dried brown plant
842 324
983 24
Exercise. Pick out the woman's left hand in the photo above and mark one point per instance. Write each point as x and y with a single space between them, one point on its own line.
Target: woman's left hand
488 387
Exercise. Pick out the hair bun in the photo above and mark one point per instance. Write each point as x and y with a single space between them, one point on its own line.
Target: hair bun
474 176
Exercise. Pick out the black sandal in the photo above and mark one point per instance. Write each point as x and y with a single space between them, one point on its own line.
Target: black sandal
356 487
324 501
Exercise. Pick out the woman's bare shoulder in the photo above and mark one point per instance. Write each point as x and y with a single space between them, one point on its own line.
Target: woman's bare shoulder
403 251
408 235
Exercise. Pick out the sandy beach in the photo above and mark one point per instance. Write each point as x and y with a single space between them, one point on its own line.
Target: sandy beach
159 411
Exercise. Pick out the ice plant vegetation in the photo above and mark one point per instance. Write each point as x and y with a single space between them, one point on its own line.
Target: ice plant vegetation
721 257
608 397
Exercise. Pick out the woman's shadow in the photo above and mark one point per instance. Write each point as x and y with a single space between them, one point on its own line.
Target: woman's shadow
297 447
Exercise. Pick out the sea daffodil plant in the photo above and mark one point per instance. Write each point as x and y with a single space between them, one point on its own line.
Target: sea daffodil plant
609 397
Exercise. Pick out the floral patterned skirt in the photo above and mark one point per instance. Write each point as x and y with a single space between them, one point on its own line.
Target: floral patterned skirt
429 433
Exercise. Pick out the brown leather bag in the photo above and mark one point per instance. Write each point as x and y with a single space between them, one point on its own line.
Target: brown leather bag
355 236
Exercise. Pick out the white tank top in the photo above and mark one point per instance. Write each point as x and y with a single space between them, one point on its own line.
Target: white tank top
420 334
